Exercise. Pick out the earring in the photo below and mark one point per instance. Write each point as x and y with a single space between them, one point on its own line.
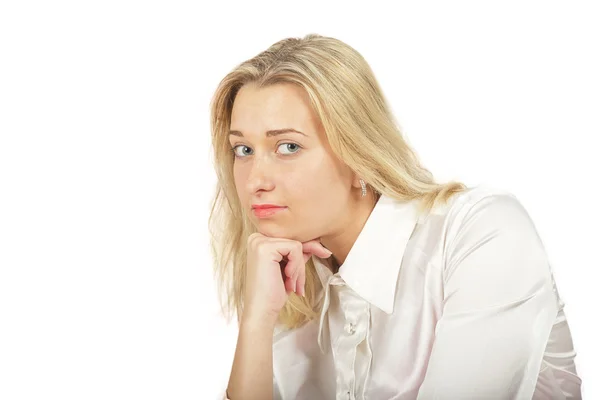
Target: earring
363 188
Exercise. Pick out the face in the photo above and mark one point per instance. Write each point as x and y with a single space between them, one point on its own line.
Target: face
295 170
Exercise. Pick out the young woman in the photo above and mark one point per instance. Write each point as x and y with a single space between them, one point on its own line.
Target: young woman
353 274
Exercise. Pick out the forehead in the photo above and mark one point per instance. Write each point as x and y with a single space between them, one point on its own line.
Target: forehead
274 107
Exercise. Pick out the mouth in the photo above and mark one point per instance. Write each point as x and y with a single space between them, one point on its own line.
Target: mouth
267 211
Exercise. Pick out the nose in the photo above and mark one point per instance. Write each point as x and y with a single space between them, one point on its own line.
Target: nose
260 175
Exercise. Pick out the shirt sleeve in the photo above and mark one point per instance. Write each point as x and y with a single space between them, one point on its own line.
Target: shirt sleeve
499 305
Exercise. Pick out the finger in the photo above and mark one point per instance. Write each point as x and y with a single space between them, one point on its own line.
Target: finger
292 253
306 256
297 260
297 270
289 286
313 246
287 273
283 248
300 284
290 268
292 280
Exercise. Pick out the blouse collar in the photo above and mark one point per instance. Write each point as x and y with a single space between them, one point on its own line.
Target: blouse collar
372 266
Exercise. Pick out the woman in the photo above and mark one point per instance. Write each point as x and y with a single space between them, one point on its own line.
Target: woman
354 275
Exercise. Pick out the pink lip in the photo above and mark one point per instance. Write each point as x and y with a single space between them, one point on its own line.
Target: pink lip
265 212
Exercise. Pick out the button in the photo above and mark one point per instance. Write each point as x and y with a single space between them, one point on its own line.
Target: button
350 328
349 395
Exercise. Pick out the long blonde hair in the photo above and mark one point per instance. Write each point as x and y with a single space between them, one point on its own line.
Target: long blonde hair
361 131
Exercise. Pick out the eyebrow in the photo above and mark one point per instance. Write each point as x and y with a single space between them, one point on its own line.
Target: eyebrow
273 132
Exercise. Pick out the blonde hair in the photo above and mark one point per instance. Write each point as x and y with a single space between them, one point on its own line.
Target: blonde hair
360 129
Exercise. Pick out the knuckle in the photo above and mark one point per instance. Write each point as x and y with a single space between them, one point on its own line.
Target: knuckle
253 239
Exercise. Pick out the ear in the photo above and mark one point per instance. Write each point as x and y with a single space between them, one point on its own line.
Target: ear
355 180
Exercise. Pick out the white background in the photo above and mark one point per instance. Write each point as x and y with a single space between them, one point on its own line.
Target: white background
106 288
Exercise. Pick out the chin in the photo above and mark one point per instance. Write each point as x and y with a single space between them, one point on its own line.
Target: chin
276 231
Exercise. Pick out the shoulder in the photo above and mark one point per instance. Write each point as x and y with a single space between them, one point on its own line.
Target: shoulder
498 206
490 222
472 195
482 215
441 227
477 200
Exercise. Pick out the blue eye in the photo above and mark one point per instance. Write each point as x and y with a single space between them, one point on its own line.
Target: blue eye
293 147
237 153
288 149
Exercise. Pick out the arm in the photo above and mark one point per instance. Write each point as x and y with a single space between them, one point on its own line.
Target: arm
499 306
252 370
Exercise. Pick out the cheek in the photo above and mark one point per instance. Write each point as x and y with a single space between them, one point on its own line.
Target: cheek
299 183
237 176
239 179
314 179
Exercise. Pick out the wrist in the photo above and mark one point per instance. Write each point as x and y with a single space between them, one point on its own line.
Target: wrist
258 321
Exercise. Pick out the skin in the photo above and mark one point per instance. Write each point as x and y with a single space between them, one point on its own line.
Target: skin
298 171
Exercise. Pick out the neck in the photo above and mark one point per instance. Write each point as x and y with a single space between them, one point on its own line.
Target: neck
340 242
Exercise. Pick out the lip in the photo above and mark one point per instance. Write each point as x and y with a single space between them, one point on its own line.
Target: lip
266 210
262 206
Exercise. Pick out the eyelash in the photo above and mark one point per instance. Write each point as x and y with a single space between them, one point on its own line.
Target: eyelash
285 155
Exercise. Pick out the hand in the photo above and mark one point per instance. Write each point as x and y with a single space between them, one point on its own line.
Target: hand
276 267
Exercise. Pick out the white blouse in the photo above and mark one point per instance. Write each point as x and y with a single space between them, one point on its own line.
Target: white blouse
459 303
